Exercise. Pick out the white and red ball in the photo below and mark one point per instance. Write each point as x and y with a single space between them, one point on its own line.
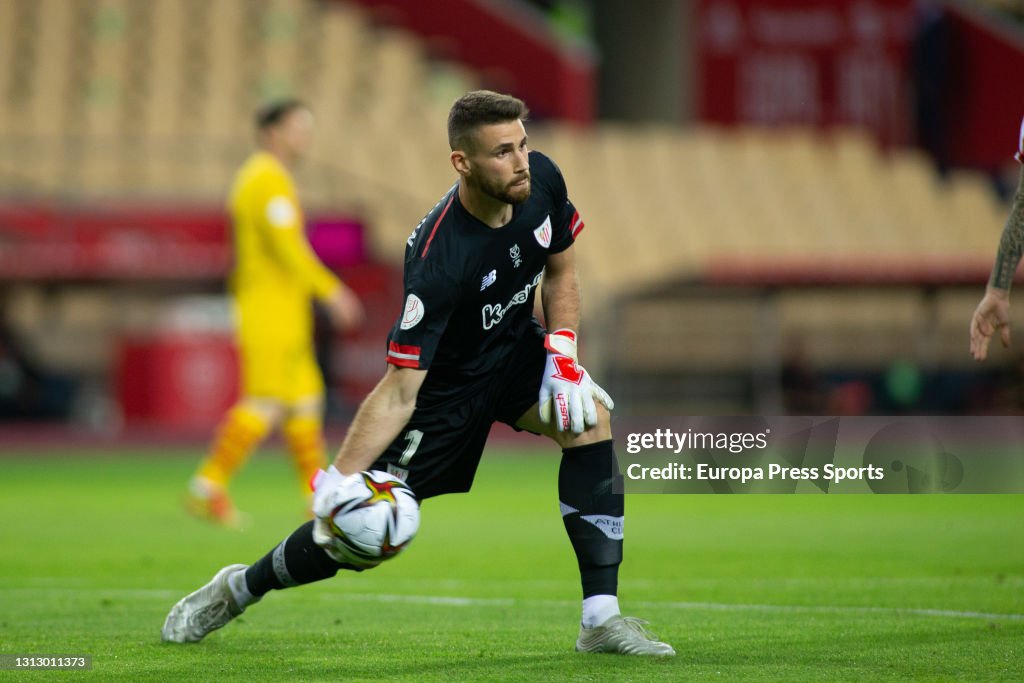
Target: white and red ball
375 515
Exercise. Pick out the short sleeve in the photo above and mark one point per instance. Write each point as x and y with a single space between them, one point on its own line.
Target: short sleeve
430 297
566 223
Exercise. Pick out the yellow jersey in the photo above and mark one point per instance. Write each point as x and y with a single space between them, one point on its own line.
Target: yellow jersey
275 273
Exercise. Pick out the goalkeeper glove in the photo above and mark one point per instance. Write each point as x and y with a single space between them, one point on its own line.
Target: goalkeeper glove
328 495
567 393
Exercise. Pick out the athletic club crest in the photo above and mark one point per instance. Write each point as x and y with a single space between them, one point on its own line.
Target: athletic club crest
543 233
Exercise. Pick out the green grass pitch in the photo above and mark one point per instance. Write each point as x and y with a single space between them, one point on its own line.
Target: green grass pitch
95 550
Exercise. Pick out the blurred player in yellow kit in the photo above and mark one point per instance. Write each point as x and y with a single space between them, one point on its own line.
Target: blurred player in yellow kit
276 276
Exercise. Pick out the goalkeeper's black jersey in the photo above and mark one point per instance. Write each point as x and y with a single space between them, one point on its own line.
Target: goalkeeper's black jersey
469 288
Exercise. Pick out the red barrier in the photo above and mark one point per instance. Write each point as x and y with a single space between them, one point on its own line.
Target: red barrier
849 62
984 99
176 379
125 242
173 380
784 62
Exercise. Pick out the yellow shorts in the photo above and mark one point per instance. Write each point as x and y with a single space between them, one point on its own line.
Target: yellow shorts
287 373
274 329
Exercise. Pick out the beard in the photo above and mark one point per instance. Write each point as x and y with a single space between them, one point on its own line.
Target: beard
508 193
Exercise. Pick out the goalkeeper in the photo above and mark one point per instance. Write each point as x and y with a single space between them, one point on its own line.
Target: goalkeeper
276 276
464 353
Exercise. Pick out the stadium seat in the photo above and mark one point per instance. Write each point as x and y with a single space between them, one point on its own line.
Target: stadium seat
232 32
51 101
12 62
165 107
340 37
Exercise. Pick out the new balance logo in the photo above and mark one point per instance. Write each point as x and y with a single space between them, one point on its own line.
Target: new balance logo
488 280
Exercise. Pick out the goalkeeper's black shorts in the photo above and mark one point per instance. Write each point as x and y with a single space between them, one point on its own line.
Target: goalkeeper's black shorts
439 450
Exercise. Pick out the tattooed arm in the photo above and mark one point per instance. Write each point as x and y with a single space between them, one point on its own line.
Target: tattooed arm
993 313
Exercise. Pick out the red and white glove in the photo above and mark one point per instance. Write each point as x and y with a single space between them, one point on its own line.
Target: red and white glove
567 394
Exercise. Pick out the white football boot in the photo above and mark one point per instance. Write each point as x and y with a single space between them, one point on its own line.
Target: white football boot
205 610
624 636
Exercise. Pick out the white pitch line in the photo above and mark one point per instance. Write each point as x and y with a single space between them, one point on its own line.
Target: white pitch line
719 606
131 593
452 601
833 609
456 601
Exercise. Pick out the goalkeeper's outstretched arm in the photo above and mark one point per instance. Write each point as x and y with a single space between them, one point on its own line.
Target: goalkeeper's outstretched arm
380 419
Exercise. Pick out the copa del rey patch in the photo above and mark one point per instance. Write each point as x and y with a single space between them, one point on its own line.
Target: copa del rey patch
543 233
413 312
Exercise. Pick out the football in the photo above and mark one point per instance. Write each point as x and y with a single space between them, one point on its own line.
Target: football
373 516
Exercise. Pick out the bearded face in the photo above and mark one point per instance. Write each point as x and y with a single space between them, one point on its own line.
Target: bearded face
499 162
514 191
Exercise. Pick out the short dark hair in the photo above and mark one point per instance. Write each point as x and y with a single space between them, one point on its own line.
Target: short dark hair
480 108
273 113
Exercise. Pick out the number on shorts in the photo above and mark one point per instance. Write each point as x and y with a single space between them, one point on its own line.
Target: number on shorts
414 436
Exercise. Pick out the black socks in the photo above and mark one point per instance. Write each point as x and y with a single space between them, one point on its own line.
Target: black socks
592 514
297 560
